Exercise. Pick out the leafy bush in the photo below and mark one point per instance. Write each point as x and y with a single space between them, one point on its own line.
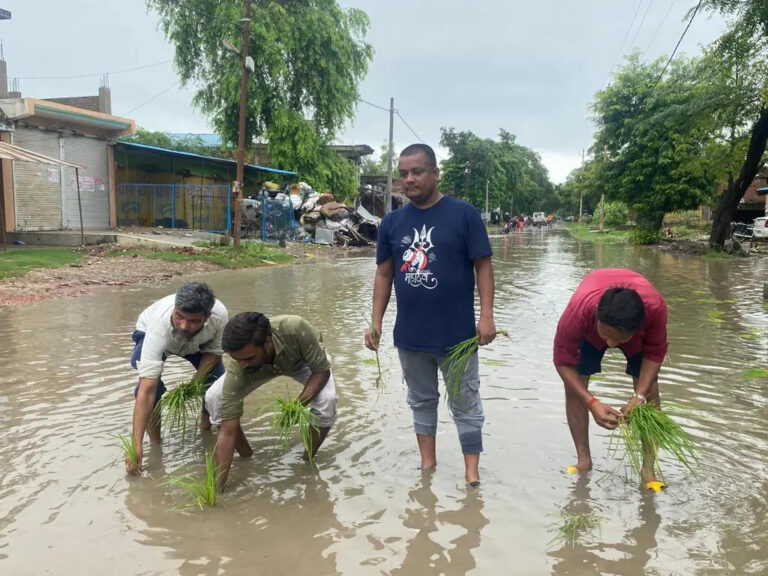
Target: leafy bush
642 235
615 213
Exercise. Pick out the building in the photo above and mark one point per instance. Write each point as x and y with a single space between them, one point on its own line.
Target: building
77 130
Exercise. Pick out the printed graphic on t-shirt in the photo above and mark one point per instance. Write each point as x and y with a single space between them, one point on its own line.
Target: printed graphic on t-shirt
418 254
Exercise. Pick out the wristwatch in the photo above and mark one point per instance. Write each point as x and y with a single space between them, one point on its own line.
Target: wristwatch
639 397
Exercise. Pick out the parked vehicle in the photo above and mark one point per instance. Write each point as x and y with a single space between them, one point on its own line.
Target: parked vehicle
740 231
539 219
760 228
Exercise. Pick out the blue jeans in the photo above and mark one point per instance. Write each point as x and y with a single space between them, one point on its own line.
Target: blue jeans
420 373
194 359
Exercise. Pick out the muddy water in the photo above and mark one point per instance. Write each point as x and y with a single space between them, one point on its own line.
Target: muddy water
67 507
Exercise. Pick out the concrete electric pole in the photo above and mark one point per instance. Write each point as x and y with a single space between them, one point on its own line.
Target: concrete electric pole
238 185
390 158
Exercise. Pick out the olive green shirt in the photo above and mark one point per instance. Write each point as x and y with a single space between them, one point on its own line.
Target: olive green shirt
296 343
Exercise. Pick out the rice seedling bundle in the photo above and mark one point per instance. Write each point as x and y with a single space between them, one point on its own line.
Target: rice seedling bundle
290 414
203 493
572 526
646 428
130 451
375 335
181 404
457 359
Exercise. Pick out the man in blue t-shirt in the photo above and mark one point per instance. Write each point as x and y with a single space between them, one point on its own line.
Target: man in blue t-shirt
431 250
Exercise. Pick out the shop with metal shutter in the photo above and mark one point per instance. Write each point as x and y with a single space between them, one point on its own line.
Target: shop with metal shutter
91 154
37 187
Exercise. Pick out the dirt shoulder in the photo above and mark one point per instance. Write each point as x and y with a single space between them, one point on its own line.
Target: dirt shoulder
104 266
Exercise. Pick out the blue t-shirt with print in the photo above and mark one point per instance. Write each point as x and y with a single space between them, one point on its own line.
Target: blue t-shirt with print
433 252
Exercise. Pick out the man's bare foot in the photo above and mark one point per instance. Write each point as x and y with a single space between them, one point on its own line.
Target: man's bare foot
583 465
648 476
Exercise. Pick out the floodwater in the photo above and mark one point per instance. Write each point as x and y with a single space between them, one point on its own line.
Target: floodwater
66 505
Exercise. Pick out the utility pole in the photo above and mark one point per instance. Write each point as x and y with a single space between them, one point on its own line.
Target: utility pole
239 184
390 158
487 217
467 173
581 190
602 203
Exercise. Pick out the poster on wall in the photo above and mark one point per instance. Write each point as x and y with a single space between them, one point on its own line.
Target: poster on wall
88 184
53 175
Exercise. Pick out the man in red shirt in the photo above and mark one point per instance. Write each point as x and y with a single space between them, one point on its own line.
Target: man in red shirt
613 307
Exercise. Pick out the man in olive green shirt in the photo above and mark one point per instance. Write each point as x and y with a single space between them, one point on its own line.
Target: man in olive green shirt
256 351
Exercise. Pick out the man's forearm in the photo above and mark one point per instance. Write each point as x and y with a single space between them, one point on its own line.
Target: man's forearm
207 363
571 380
485 286
225 448
649 371
314 384
143 407
382 290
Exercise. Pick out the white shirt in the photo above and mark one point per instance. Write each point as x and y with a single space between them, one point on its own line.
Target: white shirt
160 341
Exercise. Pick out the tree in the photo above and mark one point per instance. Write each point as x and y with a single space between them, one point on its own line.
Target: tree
743 54
377 165
188 143
310 56
517 180
650 142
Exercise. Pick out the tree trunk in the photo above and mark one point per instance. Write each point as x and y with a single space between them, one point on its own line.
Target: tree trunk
729 201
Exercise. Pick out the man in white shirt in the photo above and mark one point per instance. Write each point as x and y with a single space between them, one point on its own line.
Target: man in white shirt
189 324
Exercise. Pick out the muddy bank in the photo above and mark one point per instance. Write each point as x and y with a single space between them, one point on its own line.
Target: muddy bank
103 266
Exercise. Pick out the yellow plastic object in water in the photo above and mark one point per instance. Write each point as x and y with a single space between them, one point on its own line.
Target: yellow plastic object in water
655 486
571 470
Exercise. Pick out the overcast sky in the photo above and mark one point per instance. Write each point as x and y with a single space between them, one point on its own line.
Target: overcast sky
528 66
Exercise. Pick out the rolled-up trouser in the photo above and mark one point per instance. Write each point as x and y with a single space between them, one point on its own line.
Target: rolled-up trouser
323 404
420 373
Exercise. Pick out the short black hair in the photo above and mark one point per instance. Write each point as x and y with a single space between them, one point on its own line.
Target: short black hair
244 329
414 149
195 297
621 308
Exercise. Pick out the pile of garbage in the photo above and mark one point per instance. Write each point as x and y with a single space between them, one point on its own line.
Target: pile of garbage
299 213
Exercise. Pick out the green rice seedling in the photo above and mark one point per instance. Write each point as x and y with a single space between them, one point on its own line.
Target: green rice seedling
648 428
570 527
755 373
457 359
375 335
181 404
203 493
753 334
290 414
130 451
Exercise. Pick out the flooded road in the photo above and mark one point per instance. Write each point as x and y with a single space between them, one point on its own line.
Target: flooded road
67 507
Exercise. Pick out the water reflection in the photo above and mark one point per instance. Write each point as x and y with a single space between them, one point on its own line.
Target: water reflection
591 553
425 554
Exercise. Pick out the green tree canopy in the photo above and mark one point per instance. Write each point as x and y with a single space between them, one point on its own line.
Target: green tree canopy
310 56
517 179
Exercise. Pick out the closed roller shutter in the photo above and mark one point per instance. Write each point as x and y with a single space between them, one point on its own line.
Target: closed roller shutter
91 153
36 186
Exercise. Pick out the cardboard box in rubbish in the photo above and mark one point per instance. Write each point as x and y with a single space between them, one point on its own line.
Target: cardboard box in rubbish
324 236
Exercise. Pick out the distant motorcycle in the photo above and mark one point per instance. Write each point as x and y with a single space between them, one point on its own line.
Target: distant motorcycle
741 231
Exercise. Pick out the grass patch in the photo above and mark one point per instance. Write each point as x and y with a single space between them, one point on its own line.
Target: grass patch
647 427
203 493
571 527
249 255
592 234
181 405
715 317
753 334
130 451
755 373
17 262
290 414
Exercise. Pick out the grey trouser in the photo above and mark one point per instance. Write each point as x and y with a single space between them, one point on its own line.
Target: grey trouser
420 373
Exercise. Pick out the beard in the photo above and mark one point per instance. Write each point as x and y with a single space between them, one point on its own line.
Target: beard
183 334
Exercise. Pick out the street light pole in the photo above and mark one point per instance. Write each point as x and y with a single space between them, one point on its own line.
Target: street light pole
487 218
239 184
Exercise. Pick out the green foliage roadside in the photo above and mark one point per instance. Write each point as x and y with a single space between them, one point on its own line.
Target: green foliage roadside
17 262
249 255
593 234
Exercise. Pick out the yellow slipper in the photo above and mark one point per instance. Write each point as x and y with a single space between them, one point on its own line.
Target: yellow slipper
655 486
571 470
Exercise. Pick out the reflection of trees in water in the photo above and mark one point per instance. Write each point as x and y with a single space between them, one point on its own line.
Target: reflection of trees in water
265 527
424 555
635 547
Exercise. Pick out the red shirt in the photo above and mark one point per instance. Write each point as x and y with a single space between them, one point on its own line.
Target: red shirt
579 320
